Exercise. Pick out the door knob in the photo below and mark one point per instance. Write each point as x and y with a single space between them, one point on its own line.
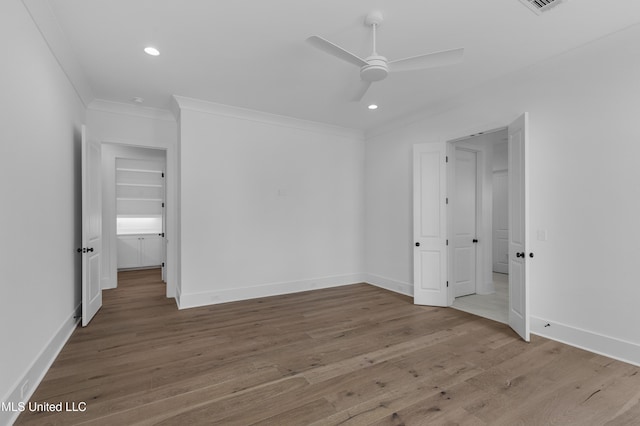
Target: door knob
475 241
417 244
530 254
521 254
90 249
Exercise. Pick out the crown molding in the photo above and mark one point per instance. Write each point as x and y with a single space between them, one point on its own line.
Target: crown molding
47 23
185 103
127 109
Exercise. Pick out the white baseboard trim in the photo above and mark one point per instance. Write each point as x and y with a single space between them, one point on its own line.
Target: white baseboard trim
192 300
389 284
593 342
178 295
36 372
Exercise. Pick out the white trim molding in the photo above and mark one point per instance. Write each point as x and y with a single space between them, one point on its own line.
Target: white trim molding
389 284
130 109
593 342
23 390
52 33
192 300
262 117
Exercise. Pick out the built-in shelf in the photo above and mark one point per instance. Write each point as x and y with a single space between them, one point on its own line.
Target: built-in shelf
137 170
146 185
139 199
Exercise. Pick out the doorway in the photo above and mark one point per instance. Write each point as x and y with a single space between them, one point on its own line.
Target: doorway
432 174
140 219
479 228
134 210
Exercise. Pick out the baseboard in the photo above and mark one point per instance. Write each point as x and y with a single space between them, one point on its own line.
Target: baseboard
178 295
389 284
192 300
593 342
36 372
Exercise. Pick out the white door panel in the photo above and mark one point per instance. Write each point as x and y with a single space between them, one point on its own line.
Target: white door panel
430 224
500 223
464 200
91 228
518 255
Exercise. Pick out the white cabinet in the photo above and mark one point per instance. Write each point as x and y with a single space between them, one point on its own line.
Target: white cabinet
140 250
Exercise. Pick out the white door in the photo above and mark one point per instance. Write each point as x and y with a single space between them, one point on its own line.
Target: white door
91 228
500 223
464 239
164 225
518 255
430 224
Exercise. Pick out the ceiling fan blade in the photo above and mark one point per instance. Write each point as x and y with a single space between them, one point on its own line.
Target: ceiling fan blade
362 89
430 60
337 51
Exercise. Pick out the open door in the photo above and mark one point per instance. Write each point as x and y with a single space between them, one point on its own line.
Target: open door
430 224
163 235
518 255
91 228
464 238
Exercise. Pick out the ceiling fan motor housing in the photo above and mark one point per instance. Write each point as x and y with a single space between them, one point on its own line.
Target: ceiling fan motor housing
375 70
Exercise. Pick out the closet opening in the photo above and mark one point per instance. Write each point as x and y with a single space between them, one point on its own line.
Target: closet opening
479 233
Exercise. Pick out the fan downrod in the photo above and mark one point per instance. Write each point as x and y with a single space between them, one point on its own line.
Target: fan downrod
376 68
373 18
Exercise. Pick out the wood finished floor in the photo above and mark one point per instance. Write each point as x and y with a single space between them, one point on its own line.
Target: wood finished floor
354 355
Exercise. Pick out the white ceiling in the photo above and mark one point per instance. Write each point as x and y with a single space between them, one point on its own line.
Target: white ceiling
252 53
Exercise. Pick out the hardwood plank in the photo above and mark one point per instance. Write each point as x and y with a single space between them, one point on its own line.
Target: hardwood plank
348 355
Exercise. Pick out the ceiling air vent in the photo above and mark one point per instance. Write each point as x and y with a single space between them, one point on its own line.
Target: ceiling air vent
539 6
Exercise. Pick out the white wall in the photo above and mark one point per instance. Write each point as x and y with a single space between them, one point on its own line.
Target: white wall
583 188
121 125
40 120
269 204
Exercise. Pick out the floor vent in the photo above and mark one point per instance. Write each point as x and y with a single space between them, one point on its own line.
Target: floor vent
539 6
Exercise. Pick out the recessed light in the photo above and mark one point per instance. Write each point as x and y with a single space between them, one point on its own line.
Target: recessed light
151 51
373 106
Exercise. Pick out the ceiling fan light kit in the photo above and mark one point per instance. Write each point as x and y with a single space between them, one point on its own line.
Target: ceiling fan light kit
376 67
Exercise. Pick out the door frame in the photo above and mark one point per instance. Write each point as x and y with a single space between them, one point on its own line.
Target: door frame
503 172
446 292
170 215
451 143
481 246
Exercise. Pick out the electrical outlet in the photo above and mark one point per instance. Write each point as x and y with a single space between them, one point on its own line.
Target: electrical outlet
24 389
542 235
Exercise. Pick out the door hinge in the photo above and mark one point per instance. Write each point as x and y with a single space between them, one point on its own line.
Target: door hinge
447 283
447 200
162 174
162 204
163 264
447 242
446 159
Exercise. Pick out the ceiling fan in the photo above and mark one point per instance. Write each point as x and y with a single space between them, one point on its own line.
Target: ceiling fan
375 67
